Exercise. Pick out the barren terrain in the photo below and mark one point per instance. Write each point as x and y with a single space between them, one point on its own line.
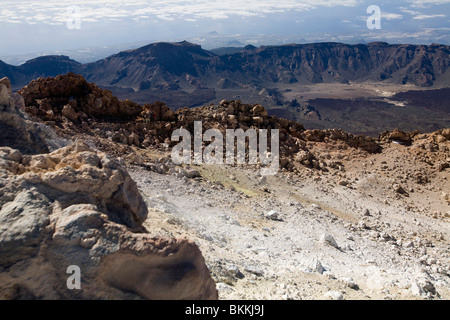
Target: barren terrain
388 245
345 217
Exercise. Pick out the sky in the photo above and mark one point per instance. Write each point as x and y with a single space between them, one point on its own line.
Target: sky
86 30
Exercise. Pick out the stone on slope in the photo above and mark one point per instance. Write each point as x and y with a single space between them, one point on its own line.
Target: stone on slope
333 295
271 215
327 239
314 265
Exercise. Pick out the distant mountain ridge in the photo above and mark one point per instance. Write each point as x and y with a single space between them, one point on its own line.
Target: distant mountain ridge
150 66
188 67
45 66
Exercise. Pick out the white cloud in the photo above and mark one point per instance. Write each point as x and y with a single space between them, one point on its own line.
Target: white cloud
428 16
418 3
391 16
32 10
407 10
421 16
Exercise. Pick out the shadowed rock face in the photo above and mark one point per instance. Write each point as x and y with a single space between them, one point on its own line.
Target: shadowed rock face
20 133
77 206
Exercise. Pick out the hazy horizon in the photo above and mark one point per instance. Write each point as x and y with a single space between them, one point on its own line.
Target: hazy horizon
89 31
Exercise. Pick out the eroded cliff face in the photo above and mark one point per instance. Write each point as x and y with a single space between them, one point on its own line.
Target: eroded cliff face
334 62
77 206
183 65
158 63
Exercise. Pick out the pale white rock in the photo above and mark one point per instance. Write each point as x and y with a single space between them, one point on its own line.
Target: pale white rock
272 215
223 287
417 290
234 272
350 283
329 275
327 239
408 244
333 295
314 265
82 208
254 270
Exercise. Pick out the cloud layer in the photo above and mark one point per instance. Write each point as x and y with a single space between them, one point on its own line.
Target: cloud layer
55 11
27 24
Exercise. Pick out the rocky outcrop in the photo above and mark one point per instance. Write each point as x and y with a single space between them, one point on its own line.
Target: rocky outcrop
398 136
5 81
155 123
70 95
329 135
78 207
157 111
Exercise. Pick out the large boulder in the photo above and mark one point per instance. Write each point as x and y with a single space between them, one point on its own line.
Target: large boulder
18 132
77 207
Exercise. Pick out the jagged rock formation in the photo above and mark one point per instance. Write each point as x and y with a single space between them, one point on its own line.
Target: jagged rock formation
76 206
72 96
398 136
153 124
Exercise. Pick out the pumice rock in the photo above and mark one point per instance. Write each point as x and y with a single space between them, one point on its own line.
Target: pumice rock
77 207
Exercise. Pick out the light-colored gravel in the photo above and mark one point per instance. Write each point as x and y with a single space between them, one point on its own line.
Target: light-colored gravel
327 241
